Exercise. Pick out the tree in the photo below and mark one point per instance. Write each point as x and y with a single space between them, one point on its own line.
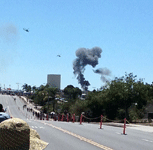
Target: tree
72 92
39 98
115 99
76 92
45 94
78 107
34 88
96 102
26 87
50 95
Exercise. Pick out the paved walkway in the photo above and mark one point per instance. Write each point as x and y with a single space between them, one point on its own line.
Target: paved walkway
142 127
132 126
29 104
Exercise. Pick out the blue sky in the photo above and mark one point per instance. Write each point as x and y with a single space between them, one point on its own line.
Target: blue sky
122 29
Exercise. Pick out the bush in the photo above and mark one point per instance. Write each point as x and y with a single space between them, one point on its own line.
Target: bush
78 107
149 120
133 115
66 107
145 121
121 114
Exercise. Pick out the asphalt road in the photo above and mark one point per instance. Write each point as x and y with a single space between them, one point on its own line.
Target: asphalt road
73 136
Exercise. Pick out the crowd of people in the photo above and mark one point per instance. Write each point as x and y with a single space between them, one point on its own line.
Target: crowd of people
38 114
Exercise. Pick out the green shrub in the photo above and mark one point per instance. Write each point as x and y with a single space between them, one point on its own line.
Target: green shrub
121 114
133 116
149 120
78 107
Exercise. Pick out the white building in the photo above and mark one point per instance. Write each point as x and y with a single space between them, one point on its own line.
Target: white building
54 80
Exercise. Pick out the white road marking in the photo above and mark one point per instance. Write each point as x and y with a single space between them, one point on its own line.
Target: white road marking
35 127
81 138
41 127
147 140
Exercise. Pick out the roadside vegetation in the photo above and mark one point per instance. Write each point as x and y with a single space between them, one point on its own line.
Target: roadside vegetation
122 97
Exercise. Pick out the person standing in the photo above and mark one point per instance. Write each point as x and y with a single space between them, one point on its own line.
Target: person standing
3 115
1 108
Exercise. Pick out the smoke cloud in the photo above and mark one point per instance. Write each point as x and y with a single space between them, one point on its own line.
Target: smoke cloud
103 72
8 32
85 57
8 42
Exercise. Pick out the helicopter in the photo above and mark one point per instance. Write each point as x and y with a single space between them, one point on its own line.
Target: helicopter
59 55
27 30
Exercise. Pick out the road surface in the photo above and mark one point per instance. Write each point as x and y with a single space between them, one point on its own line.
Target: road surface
73 136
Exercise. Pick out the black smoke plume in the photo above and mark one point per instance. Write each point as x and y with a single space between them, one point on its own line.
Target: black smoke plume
103 72
85 57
